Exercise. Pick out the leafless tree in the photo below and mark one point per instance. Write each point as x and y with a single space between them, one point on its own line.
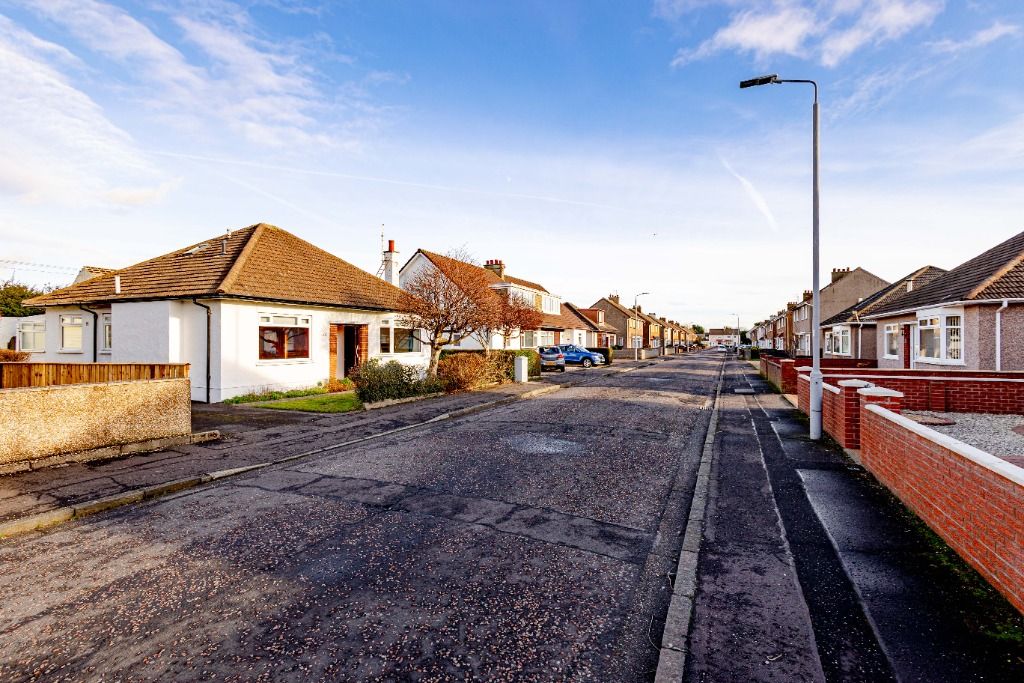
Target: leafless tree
447 300
515 316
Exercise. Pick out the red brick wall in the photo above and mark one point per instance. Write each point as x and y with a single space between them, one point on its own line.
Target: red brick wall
956 391
975 509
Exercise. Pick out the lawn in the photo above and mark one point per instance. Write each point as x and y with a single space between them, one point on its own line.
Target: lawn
323 403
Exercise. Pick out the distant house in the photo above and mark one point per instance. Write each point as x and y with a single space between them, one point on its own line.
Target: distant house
848 286
971 317
723 336
607 334
553 326
850 334
253 309
630 325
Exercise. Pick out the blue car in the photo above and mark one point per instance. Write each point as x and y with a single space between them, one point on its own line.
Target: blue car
578 354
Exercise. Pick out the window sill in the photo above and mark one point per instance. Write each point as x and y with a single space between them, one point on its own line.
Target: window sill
938 361
888 357
284 361
79 351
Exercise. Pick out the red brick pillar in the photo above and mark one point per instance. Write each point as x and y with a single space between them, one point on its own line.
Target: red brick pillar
849 401
364 343
788 378
886 398
332 356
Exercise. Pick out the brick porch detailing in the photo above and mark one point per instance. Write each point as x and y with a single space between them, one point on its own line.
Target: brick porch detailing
970 498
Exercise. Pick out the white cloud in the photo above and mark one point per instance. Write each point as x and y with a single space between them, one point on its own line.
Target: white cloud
879 21
980 39
58 143
781 29
832 31
754 195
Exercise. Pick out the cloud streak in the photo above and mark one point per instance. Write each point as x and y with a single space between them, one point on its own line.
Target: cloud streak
756 198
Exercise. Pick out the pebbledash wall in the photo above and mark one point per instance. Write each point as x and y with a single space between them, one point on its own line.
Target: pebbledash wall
44 421
971 499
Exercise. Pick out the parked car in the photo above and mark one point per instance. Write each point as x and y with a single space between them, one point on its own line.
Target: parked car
551 358
578 354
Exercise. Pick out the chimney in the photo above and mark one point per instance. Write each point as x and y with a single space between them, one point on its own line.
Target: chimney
839 273
808 294
638 309
391 264
117 284
496 266
613 298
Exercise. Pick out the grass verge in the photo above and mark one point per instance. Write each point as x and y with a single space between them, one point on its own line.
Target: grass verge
323 403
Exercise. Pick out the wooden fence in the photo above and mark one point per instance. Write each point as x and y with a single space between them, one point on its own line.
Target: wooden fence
18 375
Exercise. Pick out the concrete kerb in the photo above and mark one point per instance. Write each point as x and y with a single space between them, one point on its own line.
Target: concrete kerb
63 514
672 656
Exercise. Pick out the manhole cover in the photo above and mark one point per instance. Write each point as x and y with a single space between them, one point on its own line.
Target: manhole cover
743 391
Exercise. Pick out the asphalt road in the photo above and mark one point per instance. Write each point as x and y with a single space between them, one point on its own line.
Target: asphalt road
530 542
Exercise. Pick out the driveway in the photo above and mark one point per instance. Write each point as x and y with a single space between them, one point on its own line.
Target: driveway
532 541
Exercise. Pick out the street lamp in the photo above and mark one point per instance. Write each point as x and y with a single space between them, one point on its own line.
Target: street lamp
816 379
737 331
636 324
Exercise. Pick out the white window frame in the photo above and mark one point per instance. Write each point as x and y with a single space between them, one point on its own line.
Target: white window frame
280 319
106 346
943 315
35 328
890 329
67 320
392 326
841 338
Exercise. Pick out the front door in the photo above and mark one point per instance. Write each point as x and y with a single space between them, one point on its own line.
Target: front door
349 352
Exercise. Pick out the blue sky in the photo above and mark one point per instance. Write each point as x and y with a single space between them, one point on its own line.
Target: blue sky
594 146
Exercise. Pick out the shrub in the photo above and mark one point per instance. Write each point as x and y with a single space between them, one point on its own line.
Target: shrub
503 360
463 371
335 385
604 351
376 381
9 356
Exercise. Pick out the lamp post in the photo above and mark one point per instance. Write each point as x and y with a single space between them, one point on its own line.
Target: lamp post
738 340
816 378
636 324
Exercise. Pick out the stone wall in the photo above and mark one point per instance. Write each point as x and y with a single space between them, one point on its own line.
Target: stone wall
44 421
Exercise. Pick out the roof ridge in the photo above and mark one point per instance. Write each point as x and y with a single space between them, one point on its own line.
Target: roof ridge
997 275
243 256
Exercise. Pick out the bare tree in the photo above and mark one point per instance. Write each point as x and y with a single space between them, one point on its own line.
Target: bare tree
446 301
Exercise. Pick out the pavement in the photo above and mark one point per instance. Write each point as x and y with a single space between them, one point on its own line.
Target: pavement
532 541
250 436
810 570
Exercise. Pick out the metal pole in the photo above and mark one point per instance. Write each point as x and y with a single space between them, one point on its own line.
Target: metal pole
816 377
636 324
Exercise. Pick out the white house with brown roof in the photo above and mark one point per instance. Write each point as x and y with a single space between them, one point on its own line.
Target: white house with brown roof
257 308
556 324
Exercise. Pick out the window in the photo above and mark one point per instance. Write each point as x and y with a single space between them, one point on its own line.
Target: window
529 339
406 341
892 341
940 336
31 336
71 333
284 337
107 333
840 341
385 339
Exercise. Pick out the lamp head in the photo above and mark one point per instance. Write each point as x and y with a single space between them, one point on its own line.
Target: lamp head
760 80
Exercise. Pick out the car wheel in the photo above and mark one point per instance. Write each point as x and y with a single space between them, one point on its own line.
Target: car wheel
587 362
563 369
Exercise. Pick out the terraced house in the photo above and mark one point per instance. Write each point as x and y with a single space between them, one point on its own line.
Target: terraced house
256 308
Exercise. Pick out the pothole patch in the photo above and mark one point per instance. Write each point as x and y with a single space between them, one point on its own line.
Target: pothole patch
540 444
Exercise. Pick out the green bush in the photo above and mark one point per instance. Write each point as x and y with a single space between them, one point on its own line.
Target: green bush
504 361
376 381
604 351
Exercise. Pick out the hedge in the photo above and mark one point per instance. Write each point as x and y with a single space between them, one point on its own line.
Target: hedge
505 358
605 351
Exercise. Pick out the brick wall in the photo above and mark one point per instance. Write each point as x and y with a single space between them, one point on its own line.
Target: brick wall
971 499
956 391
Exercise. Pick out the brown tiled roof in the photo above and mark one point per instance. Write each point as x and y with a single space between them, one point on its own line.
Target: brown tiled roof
577 316
614 304
882 297
259 262
447 264
996 274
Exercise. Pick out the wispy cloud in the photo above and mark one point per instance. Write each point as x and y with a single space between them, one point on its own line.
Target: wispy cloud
978 40
756 198
827 31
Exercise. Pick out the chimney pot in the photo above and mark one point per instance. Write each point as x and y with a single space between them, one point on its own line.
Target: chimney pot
391 270
391 245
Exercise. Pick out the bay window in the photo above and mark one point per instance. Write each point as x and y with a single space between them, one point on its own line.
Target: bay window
284 337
